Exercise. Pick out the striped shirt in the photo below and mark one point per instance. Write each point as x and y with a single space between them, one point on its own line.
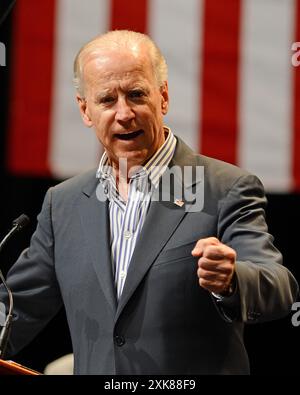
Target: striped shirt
127 218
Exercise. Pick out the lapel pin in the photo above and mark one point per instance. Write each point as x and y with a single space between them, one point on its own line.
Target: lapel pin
179 202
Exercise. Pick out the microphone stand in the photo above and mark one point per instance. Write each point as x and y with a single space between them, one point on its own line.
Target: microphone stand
4 335
18 224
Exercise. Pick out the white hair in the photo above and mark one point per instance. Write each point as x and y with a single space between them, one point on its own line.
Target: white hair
120 39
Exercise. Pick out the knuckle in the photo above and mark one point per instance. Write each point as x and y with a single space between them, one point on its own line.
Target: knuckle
210 249
203 282
213 240
201 262
231 254
207 276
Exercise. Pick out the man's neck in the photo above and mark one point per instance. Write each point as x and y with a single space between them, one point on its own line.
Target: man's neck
122 184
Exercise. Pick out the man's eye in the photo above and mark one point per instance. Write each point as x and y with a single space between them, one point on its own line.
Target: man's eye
137 94
107 99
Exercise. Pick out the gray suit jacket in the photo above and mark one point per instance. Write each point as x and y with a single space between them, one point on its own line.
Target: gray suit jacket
164 323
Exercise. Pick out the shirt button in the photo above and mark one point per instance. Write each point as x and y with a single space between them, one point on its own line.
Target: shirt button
127 234
120 341
122 273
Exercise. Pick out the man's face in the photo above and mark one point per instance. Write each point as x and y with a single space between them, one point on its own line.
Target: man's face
124 104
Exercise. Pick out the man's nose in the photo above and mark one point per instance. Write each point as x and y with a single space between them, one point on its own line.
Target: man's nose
124 112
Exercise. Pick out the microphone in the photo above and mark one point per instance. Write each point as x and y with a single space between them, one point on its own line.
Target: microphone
18 224
6 13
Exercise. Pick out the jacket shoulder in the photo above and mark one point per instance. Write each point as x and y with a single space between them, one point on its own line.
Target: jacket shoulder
214 169
70 189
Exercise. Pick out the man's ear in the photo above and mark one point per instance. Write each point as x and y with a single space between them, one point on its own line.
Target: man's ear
164 98
84 111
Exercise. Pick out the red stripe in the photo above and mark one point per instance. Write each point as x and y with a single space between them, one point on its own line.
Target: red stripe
220 79
130 15
296 116
33 41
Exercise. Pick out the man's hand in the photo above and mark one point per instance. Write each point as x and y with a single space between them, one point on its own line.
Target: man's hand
216 264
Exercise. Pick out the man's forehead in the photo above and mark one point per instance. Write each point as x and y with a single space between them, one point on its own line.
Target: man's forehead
101 56
113 66
126 73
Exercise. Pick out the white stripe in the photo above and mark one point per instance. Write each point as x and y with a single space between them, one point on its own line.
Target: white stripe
73 148
175 25
266 86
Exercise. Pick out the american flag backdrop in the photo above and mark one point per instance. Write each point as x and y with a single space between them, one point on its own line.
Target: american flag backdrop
234 93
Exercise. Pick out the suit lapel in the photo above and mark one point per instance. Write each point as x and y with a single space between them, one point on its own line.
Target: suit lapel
95 223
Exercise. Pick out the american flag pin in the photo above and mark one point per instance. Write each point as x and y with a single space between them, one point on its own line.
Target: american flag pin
179 202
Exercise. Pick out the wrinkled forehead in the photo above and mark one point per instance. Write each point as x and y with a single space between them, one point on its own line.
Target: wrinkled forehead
112 64
100 57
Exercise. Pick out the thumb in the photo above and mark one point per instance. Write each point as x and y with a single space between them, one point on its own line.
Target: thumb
202 243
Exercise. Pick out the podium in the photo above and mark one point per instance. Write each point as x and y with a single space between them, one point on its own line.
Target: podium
14 368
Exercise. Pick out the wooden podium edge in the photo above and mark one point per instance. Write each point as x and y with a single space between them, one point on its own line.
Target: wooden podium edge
14 368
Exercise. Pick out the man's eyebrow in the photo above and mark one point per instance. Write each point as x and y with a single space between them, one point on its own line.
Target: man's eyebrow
102 94
107 92
138 87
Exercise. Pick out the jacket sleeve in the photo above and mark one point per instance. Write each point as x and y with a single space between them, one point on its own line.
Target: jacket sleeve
33 283
266 289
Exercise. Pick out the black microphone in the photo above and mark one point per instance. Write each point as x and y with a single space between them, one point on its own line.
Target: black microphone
6 13
18 224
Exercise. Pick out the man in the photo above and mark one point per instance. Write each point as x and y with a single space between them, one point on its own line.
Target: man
151 285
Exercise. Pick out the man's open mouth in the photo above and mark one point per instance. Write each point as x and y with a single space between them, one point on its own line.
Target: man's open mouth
129 136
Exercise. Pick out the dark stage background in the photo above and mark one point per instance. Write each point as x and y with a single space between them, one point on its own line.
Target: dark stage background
273 347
